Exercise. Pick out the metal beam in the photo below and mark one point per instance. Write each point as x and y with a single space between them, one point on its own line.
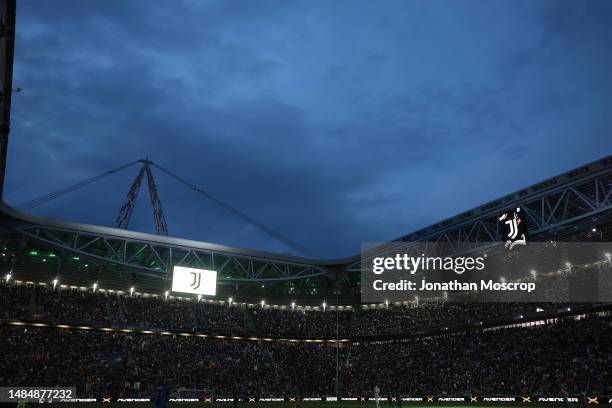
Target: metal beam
567 200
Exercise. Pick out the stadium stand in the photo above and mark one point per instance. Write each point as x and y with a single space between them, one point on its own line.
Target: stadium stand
563 358
554 356
73 306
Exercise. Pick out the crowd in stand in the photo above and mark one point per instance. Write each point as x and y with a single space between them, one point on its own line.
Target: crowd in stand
14 301
566 358
134 364
394 320
72 305
158 313
69 305
305 323
562 359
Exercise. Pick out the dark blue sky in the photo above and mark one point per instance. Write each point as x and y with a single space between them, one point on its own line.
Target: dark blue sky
334 122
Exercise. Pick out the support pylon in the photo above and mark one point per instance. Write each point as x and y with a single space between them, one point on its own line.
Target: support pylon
125 213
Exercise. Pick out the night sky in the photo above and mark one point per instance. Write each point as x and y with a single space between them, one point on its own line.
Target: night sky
333 122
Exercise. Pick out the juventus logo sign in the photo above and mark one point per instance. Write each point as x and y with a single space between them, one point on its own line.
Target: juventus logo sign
194 280
514 227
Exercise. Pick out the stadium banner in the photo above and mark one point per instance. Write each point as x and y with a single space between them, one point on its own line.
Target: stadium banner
195 281
486 271
424 400
475 400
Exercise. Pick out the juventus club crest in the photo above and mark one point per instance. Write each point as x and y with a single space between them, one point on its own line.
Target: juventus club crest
195 283
514 227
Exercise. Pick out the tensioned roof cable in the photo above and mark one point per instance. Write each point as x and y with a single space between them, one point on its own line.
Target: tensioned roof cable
273 233
28 205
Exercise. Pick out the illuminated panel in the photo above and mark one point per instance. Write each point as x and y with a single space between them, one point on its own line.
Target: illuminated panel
196 281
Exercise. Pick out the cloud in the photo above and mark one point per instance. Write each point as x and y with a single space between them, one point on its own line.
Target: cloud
334 123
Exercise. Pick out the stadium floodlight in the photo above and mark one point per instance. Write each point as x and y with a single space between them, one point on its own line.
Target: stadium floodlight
8 276
539 309
607 255
533 273
594 229
502 279
199 297
262 303
131 291
569 265
387 303
292 305
95 286
166 295
324 306
54 283
230 300
569 309
521 316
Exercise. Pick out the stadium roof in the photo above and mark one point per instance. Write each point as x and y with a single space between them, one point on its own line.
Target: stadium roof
38 249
